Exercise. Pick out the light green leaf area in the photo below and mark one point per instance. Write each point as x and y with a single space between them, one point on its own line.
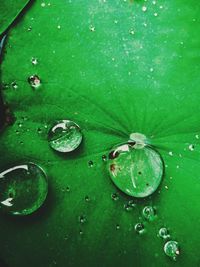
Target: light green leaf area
114 69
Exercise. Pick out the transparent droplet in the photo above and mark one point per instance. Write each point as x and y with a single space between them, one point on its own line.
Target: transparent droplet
87 198
135 168
144 8
149 213
117 227
82 219
139 228
23 189
65 136
104 157
115 196
130 205
14 85
34 61
34 81
164 233
90 163
171 249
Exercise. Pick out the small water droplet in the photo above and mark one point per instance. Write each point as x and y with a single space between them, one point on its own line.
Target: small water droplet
132 32
139 228
65 136
34 81
144 8
171 249
164 233
82 219
135 168
34 61
129 205
191 147
115 196
92 28
23 189
149 213
104 158
87 198
90 163
14 85
117 227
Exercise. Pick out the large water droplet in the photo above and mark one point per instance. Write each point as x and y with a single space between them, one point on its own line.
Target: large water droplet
65 136
135 167
23 189
171 249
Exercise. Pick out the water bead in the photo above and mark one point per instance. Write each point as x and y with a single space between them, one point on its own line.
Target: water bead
135 167
23 189
139 228
171 249
34 81
149 213
65 136
164 233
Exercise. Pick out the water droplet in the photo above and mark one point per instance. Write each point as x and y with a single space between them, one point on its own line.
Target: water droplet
191 147
87 198
34 61
171 249
149 213
104 157
144 8
14 85
135 168
117 227
92 28
132 32
139 228
115 196
23 189
164 233
82 219
130 205
65 136
34 81
90 163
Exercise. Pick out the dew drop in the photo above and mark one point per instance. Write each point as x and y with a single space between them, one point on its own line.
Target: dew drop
87 198
65 136
135 168
115 196
139 228
171 249
34 61
23 189
34 81
129 205
104 157
82 219
149 213
163 233
117 227
144 8
90 163
14 85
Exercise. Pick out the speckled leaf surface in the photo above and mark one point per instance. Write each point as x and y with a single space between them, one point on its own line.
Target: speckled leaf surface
114 69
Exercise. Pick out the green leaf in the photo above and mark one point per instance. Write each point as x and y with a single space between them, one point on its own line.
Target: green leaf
9 11
114 69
